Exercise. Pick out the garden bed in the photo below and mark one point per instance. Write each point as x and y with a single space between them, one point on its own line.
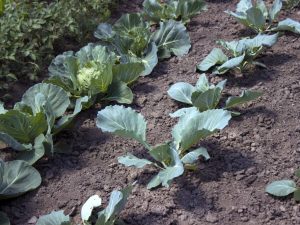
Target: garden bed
257 147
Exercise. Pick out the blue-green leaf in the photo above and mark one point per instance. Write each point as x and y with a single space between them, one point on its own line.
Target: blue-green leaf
131 160
119 91
87 208
16 178
245 96
230 64
166 175
123 122
275 9
215 57
288 25
206 100
195 126
193 156
171 37
54 218
183 111
281 188
182 92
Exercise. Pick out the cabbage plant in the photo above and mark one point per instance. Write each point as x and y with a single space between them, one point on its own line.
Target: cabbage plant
172 156
205 96
96 72
180 10
260 18
244 53
283 188
28 127
132 39
107 216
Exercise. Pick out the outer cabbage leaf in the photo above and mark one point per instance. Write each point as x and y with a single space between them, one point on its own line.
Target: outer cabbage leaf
16 178
256 19
129 72
206 100
215 57
182 92
165 176
54 218
22 127
117 202
193 156
119 92
65 120
189 8
275 9
281 188
53 96
230 64
195 126
183 111
87 208
123 122
131 160
171 37
243 98
288 25
41 143
149 59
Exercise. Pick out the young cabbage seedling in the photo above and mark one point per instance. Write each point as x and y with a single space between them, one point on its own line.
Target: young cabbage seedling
180 10
108 216
172 156
262 19
283 188
244 52
205 96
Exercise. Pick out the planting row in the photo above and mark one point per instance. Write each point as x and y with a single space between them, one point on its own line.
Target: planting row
103 71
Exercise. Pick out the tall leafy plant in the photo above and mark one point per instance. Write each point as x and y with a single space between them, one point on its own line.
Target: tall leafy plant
172 156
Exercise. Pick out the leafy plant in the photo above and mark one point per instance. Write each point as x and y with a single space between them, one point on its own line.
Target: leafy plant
16 178
96 72
284 188
261 19
29 127
107 216
205 96
244 52
180 10
29 30
131 38
171 156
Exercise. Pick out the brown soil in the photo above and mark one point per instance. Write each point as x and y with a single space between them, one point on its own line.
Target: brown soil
258 147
